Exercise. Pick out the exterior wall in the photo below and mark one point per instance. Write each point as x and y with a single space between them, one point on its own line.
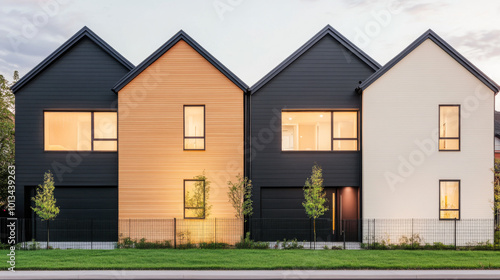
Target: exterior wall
80 79
322 78
152 162
401 162
497 148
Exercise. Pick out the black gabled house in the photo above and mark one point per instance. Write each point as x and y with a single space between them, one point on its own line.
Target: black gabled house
61 106
306 111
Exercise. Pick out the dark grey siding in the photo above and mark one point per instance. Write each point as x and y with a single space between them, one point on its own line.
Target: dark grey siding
324 77
81 78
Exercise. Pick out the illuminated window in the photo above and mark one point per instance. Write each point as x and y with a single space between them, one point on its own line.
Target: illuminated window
312 131
194 199
449 127
345 131
449 200
194 127
105 131
72 131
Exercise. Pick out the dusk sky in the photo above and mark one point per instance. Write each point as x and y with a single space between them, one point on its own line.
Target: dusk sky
250 37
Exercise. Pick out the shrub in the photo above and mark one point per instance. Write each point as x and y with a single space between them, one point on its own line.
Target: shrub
213 245
188 245
142 244
292 244
247 243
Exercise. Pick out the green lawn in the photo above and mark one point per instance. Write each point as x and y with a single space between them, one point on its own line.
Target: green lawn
251 259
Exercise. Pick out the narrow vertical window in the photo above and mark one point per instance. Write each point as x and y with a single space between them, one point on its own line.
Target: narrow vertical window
194 127
345 131
449 199
194 199
449 127
105 131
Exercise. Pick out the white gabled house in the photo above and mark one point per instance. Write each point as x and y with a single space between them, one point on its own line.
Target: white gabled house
427 138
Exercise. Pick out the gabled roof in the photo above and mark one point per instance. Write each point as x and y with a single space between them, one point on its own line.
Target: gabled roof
85 32
497 124
328 30
429 34
181 35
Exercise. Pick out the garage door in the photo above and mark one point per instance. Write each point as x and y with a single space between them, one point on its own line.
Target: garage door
86 214
283 203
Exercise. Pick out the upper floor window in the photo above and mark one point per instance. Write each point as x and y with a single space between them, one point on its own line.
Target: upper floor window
319 131
80 131
194 127
449 127
449 199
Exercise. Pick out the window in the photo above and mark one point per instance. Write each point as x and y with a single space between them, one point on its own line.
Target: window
449 199
449 127
194 199
80 131
194 127
319 131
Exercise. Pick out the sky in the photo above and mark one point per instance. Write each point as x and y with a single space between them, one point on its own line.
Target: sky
250 37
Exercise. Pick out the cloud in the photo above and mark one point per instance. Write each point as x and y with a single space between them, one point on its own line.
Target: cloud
482 45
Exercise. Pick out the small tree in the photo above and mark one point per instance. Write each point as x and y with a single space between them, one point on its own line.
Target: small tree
45 202
315 196
200 196
7 150
240 196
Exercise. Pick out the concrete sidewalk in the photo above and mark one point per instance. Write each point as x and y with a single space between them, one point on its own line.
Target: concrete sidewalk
254 274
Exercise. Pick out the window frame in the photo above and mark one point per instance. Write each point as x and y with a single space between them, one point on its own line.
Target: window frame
331 111
194 137
459 200
92 139
459 128
184 199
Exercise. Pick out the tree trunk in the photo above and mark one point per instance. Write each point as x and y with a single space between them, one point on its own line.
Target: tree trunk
48 227
314 226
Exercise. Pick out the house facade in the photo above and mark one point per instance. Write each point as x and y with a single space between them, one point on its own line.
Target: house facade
132 145
303 112
181 116
428 122
66 123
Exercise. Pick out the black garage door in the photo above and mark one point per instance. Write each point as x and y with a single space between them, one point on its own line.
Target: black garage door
284 217
86 214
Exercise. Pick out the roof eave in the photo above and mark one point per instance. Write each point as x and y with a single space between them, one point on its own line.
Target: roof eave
181 35
84 32
327 30
429 34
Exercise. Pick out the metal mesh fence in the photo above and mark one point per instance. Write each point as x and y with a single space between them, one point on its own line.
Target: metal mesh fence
347 234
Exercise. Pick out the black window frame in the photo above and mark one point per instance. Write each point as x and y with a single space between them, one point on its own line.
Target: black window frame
194 137
459 200
450 138
92 127
184 200
331 111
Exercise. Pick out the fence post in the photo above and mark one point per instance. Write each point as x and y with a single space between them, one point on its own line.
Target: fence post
215 233
129 236
455 233
175 233
374 231
343 231
368 234
411 233
310 234
91 234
